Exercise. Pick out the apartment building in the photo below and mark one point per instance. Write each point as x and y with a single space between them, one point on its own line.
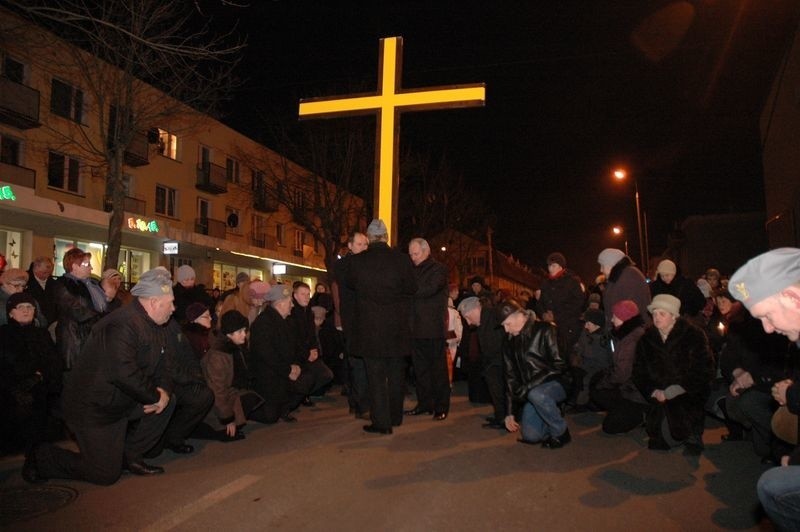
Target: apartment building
197 192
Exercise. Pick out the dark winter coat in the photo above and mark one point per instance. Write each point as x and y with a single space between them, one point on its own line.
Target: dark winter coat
624 340
272 352
119 369
76 316
383 280
199 338
28 359
490 338
563 296
692 300
183 366
43 296
186 296
346 307
626 282
430 300
301 320
532 358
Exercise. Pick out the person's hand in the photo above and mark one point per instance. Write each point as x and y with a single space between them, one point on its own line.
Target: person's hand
784 460
547 315
779 391
511 424
294 373
157 408
313 354
230 429
659 396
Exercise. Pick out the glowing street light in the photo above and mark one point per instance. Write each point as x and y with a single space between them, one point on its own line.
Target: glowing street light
619 231
620 174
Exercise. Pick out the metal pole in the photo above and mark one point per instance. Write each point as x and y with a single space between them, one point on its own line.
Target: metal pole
639 226
646 242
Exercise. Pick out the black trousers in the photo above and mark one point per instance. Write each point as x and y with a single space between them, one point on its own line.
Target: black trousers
359 397
496 384
430 371
193 401
622 415
386 389
321 374
104 448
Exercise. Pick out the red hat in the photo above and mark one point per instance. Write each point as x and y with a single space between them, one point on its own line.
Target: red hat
625 309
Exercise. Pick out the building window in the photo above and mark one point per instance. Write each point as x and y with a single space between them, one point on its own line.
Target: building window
279 234
478 264
165 201
257 180
14 70
233 219
299 239
63 172
259 225
66 101
167 144
203 208
9 150
232 170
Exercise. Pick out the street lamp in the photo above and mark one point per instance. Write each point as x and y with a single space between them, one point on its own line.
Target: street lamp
620 175
617 230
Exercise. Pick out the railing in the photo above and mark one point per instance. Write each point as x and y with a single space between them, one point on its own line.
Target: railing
17 175
212 178
19 104
210 227
137 153
132 205
263 240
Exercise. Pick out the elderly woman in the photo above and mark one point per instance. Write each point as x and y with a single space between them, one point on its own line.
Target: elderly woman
30 375
14 281
673 371
198 328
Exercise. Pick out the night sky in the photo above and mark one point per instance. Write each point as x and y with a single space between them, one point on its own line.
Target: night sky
672 90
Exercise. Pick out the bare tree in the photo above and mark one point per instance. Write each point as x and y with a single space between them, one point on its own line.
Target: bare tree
142 64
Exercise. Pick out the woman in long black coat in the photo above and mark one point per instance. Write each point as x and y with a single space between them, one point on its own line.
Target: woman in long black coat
673 371
30 375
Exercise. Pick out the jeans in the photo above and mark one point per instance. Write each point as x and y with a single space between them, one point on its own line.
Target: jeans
779 492
541 415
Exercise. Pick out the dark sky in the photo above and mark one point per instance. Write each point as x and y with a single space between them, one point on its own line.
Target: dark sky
672 90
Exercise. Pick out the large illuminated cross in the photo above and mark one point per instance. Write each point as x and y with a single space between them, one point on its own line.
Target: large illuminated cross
388 103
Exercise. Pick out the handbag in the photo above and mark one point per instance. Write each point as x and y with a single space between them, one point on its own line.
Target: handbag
784 425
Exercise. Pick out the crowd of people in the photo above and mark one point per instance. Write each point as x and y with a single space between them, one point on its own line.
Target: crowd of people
131 374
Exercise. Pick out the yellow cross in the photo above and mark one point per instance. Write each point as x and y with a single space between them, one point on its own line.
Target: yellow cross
387 103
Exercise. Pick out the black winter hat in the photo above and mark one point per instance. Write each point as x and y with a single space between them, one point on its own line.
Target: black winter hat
232 321
557 258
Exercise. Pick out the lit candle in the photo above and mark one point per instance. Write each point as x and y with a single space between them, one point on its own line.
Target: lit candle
721 328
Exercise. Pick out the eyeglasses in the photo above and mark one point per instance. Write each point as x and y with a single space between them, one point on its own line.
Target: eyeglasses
86 264
24 306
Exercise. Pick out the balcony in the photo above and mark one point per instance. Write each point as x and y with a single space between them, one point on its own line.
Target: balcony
19 104
17 175
263 240
212 178
210 227
132 205
263 201
137 153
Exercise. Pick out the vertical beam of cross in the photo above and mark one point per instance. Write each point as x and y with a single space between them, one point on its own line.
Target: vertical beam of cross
387 104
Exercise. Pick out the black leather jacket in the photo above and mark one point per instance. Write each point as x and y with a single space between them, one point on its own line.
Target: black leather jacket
532 358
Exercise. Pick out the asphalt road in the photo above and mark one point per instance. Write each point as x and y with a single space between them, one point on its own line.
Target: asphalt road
325 473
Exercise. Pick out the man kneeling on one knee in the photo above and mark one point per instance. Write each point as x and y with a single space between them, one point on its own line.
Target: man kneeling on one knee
536 376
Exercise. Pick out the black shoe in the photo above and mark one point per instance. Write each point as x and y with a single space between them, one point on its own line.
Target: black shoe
362 415
529 442
181 448
288 418
30 470
372 429
494 425
144 469
440 416
417 411
307 402
657 444
557 442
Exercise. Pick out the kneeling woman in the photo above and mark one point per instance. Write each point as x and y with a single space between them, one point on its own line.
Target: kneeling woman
536 375
673 370
226 372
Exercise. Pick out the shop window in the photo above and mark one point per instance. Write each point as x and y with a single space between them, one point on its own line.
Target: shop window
166 203
67 101
63 172
167 144
9 150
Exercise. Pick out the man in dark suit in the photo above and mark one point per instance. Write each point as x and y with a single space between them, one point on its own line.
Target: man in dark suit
429 331
40 286
383 280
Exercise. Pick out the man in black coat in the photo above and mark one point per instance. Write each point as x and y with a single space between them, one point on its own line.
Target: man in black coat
383 280
562 301
429 332
120 378
279 378
345 308
40 286
490 340
307 349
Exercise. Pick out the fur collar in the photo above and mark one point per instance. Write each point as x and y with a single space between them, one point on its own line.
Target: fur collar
628 327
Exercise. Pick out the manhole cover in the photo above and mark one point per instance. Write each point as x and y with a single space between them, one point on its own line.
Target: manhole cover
17 504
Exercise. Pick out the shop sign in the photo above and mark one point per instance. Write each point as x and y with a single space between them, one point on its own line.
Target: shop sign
143 225
170 248
279 269
7 193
